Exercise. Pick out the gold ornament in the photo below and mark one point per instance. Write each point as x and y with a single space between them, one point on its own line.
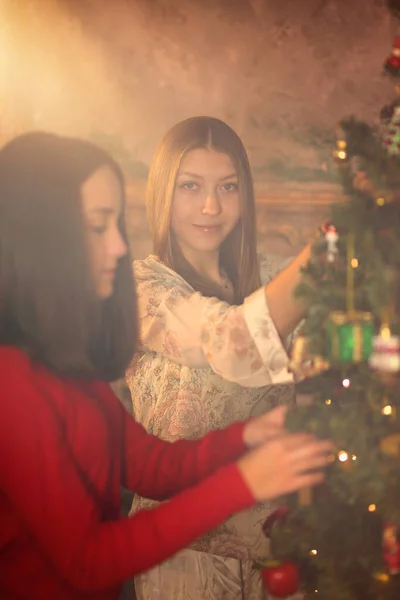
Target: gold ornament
302 364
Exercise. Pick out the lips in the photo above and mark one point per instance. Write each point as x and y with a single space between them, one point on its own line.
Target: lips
208 228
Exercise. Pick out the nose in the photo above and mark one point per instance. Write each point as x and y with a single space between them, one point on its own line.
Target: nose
118 247
212 204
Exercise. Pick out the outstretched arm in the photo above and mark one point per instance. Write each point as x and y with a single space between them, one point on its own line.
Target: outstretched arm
38 477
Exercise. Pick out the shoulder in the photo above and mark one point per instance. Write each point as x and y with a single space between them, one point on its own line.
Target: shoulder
270 265
15 365
23 380
151 274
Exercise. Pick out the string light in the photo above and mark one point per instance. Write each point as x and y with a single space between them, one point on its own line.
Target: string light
353 457
383 577
328 401
387 410
343 456
354 263
346 383
313 552
372 508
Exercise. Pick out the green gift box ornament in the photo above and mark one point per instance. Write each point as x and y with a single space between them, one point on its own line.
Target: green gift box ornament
349 336
350 333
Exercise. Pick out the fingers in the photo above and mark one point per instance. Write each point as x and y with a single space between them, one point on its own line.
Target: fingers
313 461
305 444
312 447
277 415
306 480
291 441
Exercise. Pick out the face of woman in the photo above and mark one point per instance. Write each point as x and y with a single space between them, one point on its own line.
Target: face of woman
206 204
101 203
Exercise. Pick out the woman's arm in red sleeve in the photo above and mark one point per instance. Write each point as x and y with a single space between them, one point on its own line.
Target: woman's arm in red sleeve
41 482
158 469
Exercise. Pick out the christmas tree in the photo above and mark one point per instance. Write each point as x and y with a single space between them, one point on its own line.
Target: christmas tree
341 541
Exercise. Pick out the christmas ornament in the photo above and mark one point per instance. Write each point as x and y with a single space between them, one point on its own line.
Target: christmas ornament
392 63
350 332
280 578
385 357
302 364
391 133
275 518
391 548
349 336
332 238
390 115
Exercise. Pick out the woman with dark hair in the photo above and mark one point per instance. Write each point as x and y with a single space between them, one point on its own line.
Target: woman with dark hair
68 327
213 315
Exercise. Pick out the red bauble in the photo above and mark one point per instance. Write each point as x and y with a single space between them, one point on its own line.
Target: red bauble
393 62
281 579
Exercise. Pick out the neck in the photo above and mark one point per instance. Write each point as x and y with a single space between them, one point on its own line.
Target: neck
205 263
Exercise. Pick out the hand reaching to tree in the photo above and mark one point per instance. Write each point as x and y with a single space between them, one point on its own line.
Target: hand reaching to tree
285 463
260 429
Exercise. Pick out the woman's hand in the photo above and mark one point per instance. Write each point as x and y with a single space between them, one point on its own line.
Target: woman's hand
285 464
260 429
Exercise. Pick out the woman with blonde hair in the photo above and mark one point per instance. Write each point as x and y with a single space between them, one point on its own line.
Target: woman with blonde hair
213 316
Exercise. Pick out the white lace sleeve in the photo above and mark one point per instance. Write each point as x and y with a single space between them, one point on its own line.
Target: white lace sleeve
240 343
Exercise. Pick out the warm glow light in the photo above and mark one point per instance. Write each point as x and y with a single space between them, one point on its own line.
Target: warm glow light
387 410
341 154
354 263
380 201
313 552
38 87
343 456
354 457
328 401
372 507
346 383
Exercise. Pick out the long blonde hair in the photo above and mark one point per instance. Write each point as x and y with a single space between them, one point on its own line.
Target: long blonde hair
238 253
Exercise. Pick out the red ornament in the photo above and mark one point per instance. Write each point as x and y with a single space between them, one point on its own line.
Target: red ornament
281 579
393 62
391 548
278 516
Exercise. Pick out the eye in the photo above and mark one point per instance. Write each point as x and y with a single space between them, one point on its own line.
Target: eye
230 187
190 185
100 229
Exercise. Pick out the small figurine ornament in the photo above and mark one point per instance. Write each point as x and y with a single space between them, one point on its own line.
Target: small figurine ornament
332 238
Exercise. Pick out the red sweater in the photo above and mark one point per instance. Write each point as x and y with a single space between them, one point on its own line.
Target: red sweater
66 448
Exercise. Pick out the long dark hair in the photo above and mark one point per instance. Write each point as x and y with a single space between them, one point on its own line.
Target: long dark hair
238 254
47 306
